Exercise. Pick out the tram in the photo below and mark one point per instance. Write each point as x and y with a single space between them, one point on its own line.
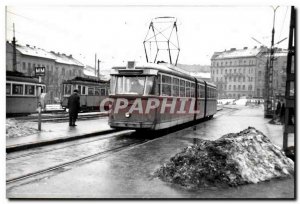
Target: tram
158 96
22 93
92 91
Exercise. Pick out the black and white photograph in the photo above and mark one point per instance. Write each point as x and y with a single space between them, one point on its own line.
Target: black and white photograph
150 101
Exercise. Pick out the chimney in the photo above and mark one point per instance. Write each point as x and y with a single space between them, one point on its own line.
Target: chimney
27 45
245 48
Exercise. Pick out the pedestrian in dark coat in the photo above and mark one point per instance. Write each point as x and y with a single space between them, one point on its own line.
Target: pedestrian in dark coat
278 108
74 107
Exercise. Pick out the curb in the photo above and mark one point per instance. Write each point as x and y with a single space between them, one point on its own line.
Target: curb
15 148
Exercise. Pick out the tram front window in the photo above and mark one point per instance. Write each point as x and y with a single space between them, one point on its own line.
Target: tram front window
134 85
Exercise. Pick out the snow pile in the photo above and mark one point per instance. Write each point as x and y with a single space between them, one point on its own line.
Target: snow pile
18 129
234 159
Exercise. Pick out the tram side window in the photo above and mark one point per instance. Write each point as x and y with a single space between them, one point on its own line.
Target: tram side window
208 92
29 90
150 85
159 84
166 86
79 89
112 85
202 91
102 92
192 90
8 89
187 89
68 89
182 88
97 92
198 90
175 86
17 89
83 90
90 91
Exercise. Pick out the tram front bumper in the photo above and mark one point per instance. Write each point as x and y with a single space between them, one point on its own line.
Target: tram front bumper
134 125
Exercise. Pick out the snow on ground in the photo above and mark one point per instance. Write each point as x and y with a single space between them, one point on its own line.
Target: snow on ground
16 128
241 102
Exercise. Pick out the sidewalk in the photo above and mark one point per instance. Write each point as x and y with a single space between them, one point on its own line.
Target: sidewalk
57 132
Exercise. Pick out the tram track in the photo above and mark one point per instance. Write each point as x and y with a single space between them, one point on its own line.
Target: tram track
51 149
76 160
116 146
53 168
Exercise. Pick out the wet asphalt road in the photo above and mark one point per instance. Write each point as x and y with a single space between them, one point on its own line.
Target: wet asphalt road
129 173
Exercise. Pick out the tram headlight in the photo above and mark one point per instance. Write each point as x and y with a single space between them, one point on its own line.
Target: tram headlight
127 115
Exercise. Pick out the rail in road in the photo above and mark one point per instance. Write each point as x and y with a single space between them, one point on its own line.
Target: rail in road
37 163
62 116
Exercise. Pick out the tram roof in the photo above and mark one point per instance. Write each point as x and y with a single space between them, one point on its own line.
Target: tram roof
165 68
85 80
20 77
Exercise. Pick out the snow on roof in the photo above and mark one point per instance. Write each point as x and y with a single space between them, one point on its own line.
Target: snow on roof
234 53
57 57
33 51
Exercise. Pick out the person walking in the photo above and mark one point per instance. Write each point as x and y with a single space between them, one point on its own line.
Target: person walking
74 107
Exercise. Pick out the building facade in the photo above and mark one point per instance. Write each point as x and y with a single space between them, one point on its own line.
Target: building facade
58 66
241 72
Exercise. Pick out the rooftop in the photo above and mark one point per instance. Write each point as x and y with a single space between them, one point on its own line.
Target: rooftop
39 52
237 53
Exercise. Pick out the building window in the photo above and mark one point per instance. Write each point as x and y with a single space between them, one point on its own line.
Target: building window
217 71
24 66
235 71
243 87
259 73
225 71
234 87
230 71
234 79
239 87
229 87
250 88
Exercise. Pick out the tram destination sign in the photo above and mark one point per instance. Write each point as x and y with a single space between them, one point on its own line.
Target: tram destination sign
40 71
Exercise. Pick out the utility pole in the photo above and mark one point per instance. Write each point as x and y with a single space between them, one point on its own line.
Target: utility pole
270 99
290 94
14 51
95 64
98 73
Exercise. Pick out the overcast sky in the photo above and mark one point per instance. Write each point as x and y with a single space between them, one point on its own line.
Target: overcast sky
116 33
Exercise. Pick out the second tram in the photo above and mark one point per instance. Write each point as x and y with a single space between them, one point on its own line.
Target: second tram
92 92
